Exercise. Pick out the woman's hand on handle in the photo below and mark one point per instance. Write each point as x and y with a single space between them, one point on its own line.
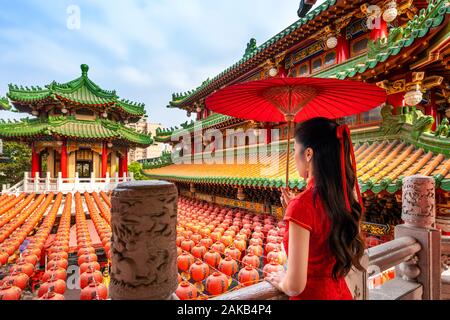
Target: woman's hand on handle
286 197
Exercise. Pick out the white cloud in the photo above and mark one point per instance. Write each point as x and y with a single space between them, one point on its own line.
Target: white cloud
134 76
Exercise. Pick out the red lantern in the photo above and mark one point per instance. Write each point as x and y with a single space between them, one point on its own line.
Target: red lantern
212 258
198 251
219 247
3 258
19 280
87 265
206 242
184 261
52 296
272 246
54 273
226 240
25 267
248 276
57 285
272 267
241 245
90 275
58 262
91 257
187 245
33 259
86 250
251 260
217 283
186 291
233 252
196 237
256 242
228 266
277 255
257 250
94 291
10 292
199 271
179 240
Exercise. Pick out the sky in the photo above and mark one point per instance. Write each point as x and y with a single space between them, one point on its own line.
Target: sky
145 50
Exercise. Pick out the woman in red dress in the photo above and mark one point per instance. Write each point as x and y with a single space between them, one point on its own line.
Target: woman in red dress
322 238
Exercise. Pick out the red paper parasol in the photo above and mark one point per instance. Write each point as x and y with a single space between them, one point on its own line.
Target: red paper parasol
295 99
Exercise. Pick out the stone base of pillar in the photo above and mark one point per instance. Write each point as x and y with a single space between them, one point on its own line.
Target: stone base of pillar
144 253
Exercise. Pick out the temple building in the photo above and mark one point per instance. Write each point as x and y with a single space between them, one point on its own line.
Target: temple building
404 48
77 129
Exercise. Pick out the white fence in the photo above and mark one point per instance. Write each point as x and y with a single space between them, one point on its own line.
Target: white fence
65 185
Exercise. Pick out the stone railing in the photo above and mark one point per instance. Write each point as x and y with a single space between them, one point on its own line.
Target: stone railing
47 184
415 252
445 258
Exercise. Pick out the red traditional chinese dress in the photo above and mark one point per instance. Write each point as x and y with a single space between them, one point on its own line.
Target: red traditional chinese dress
310 214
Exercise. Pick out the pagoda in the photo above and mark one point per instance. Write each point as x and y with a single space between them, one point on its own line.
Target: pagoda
77 128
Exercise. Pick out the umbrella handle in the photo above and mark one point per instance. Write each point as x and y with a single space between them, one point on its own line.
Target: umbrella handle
288 153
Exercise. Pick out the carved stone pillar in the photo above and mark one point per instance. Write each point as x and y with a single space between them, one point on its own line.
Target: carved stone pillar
143 218
419 214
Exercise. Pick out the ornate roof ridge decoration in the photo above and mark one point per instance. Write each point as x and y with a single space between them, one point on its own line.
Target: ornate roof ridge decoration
178 98
81 90
99 129
5 105
399 38
83 80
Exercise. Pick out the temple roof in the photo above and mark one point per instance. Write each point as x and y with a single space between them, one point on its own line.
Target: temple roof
402 145
79 92
69 127
399 38
381 166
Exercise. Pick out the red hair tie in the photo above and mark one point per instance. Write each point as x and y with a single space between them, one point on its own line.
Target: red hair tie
340 135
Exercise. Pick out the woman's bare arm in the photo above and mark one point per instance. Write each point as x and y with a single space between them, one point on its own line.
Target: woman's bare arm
294 282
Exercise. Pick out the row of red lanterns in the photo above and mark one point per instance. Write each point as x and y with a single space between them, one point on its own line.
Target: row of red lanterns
54 278
90 275
23 269
101 225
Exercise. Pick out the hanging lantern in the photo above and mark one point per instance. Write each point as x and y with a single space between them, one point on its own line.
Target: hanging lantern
64 110
414 96
331 42
391 12
199 109
240 194
105 114
35 113
273 72
110 145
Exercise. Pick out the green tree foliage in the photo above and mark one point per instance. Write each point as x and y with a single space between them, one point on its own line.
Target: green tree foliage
136 168
19 162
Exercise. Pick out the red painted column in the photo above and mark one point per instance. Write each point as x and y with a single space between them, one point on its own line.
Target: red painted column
104 160
381 32
120 166
125 162
34 161
432 110
342 50
64 159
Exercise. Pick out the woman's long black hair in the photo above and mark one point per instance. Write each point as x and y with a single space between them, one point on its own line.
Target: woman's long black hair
345 241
